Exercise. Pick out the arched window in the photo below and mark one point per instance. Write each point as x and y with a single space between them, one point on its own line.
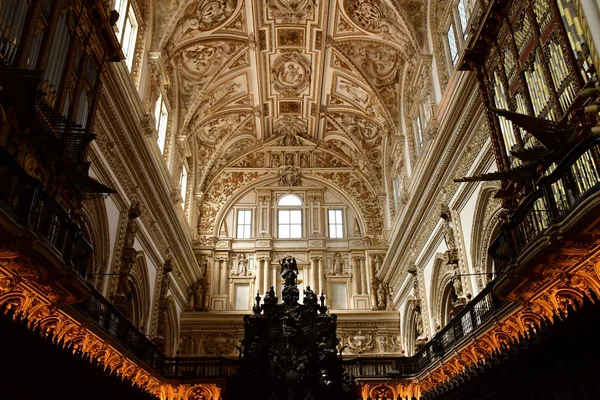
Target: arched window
289 200
289 217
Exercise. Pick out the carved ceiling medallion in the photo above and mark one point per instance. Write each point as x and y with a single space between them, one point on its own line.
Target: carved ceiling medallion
289 127
212 12
291 10
291 73
204 15
376 17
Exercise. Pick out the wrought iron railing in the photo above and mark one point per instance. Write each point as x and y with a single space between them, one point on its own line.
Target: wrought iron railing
576 178
484 307
112 322
106 317
22 197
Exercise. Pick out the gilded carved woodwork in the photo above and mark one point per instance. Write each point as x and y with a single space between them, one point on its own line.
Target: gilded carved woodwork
547 294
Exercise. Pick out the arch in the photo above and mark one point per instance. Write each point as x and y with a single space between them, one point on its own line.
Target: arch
438 300
486 226
448 299
409 326
224 208
290 199
171 328
138 285
96 230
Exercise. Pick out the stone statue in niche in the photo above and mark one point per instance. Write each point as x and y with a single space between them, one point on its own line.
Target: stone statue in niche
448 228
289 139
289 159
275 161
304 160
242 265
419 322
199 295
195 295
203 264
377 261
338 264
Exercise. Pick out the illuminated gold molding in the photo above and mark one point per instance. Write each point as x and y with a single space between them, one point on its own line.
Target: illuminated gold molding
558 283
24 299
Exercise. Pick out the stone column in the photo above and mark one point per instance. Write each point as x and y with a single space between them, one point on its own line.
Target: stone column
320 275
216 276
356 275
314 270
363 276
224 277
266 279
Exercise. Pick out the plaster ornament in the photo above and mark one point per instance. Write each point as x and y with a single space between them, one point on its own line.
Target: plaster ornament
289 175
291 10
203 15
291 73
376 17
288 126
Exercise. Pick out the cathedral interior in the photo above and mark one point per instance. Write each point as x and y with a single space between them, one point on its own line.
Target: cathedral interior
299 199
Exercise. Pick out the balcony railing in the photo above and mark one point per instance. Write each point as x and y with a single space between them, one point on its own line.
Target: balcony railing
576 178
22 197
464 324
106 317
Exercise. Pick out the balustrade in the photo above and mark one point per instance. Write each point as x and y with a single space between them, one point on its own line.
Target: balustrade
577 177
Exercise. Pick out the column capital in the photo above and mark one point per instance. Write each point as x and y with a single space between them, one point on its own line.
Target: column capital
316 258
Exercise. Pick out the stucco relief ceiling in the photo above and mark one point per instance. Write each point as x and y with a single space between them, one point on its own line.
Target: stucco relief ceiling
298 84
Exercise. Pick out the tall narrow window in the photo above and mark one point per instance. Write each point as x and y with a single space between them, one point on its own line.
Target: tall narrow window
290 224
336 225
183 185
161 115
289 219
127 28
244 224
419 131
462 17
452 45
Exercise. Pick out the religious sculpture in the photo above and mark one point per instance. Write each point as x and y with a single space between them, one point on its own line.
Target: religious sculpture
381 296
338 264
377 261
242 268
289 349
448 229
199 295
289 271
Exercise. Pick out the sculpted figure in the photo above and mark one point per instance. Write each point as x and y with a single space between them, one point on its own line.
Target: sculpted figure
448 229
198 295
289 271
242 264
381 296
338 264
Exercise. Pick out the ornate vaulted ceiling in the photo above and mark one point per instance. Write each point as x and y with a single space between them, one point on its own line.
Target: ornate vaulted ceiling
312 87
